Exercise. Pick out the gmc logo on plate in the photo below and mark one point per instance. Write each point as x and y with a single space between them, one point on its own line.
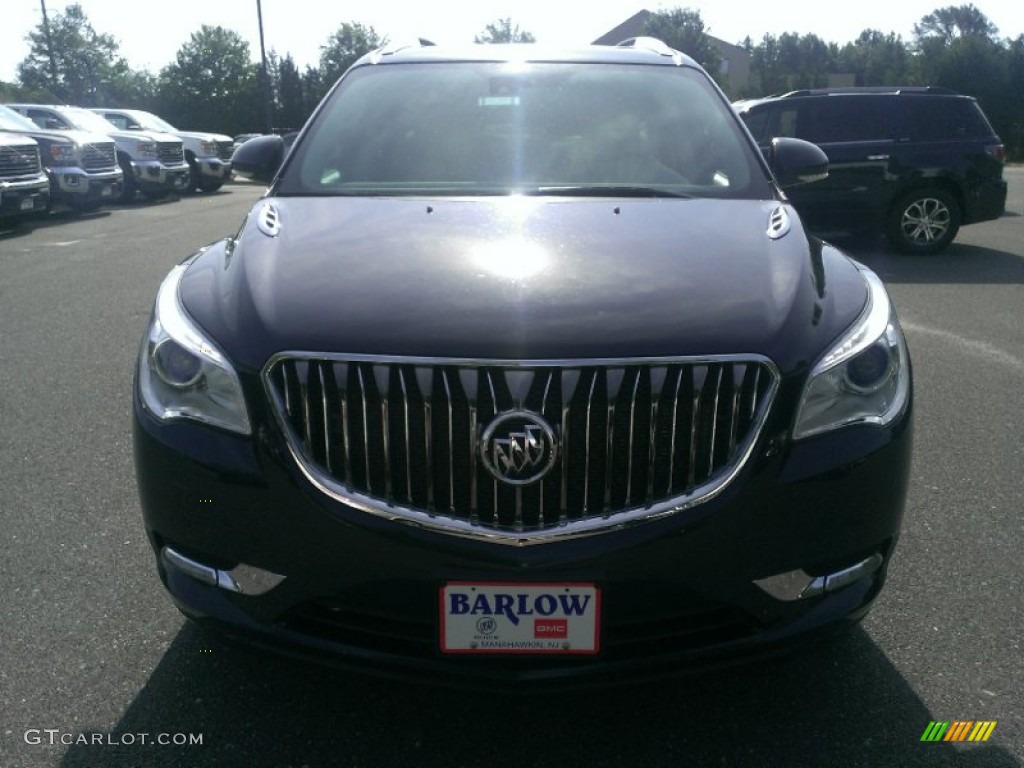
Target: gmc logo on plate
553 628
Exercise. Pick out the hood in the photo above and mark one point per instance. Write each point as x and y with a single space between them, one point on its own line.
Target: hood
143 136
202 136
520 278
16 139
79 137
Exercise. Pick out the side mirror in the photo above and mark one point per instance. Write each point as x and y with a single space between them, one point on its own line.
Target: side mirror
258 159
795 161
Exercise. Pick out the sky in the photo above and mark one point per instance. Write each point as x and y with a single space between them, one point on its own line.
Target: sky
151 33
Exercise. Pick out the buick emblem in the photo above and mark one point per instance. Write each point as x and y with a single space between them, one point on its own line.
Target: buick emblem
518 447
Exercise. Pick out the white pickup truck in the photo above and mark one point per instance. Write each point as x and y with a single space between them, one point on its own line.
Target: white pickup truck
153 163
208 154
81 167
24 187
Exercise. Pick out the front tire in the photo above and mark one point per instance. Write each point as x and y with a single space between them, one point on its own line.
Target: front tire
128 185
924 221
194 180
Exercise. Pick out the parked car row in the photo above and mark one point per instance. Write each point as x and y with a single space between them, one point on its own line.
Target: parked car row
81 158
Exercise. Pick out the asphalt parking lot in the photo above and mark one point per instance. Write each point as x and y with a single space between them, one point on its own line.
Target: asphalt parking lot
99 668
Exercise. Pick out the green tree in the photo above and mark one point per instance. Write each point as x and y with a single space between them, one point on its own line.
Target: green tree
876 58
291 96
212 84
342 49
504 31
792 61
684 30
313 89
1013 131
953 22
74 64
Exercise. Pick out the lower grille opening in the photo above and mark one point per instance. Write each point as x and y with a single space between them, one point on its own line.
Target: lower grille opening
417 638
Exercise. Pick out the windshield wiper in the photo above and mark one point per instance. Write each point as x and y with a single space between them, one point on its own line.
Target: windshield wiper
605 190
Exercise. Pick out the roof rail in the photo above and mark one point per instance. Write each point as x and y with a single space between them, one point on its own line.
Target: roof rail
876 89
650 43
389 47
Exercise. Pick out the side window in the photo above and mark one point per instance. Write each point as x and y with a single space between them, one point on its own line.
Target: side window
118 120
942 119
759 123
47 121
834 119
787 124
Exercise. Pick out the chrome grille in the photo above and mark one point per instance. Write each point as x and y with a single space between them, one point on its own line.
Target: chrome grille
99 157
19 161
170 152
637 438
225 149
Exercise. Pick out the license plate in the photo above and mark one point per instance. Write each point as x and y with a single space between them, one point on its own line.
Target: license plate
504 618
27 204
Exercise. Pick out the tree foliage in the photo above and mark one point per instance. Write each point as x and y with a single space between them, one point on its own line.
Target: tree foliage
292 103
684 30
876 58
70 62
951 23
504 31
212 84
342 49
791 61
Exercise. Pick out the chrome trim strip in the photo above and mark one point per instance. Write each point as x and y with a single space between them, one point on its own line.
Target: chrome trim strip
569 529
242 579
408 434
451 443
799 585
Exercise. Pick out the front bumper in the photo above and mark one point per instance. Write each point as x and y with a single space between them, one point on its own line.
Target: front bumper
213 168
75 185
289 569
24 196
152 173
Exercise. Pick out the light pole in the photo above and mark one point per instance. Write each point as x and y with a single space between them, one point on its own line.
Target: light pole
268 116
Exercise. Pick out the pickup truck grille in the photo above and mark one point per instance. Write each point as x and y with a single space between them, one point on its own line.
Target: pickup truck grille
225 149
170 152
19 161
99 157
635 438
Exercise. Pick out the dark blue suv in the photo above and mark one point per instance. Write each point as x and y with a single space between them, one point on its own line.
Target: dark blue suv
915 163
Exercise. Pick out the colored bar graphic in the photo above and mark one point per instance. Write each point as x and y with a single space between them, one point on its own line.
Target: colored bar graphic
982 731
959 730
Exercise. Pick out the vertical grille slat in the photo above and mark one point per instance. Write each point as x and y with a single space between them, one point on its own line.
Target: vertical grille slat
630 435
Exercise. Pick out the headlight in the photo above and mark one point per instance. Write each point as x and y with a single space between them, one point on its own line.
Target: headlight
146 149
864 378
182 374
207 148
64 153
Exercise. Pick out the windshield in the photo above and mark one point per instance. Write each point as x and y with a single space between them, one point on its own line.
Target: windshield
151 122
542 128
12 121
84 120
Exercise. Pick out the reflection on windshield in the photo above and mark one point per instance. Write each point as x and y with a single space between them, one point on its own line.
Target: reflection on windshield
476 128
85 120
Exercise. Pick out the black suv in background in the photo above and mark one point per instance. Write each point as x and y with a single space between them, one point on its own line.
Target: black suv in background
915 163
